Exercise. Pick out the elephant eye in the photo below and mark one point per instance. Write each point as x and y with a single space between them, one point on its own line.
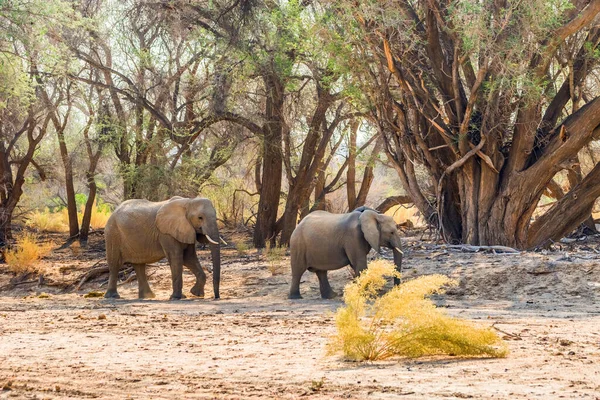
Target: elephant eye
200 218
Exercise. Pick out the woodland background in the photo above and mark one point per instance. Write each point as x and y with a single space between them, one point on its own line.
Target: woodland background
483 115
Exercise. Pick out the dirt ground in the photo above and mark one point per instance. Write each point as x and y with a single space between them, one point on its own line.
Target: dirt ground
254 343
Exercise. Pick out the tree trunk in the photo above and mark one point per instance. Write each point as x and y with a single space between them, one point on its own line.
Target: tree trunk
272 157
69 186
393 201
89 206
351 172
321 202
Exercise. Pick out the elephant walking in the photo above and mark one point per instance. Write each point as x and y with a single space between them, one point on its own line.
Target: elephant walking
141 232
324 241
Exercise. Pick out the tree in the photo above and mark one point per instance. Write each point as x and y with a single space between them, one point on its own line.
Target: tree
477 94
28 54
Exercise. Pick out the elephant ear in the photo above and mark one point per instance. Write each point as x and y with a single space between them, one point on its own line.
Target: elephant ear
172 220
370 228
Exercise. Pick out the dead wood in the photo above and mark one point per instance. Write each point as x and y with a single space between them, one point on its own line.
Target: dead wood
475 249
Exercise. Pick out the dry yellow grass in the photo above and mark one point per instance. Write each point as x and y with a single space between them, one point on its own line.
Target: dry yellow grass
404 322
46 221
27 251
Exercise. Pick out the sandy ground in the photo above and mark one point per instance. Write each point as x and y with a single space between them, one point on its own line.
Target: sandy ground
254 343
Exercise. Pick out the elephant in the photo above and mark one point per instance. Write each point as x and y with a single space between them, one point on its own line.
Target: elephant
323 241
140 232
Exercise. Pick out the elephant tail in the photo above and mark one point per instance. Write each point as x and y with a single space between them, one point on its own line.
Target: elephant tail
113 251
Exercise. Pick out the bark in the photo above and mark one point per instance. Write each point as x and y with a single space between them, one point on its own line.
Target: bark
272 166
567 213
393 201
68 166
351 172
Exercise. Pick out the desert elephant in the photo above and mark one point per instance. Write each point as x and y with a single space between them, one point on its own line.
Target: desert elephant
141 232
323 242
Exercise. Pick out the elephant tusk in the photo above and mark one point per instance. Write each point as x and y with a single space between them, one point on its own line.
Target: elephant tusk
210 240
223 241
398 250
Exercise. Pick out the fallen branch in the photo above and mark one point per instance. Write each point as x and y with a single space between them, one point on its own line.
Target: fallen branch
510 335
13 285
475 249
92 273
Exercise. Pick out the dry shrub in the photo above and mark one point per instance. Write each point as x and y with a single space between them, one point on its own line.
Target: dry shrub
242 247
26 252
46 221
275 257
404 322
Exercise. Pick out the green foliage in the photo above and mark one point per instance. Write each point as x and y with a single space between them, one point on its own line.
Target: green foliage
404 322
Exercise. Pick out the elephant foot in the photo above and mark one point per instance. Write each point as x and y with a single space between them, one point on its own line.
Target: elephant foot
111 294
329 295
294 296
178 297
146 295
197 291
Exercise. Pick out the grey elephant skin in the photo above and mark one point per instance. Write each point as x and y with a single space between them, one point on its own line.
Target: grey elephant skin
324 241
140 232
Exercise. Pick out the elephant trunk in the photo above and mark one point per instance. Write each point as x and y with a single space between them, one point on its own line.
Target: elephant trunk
397 262
212 235
215 251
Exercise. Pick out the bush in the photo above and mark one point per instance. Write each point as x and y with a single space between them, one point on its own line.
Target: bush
47 221
26 252
404 322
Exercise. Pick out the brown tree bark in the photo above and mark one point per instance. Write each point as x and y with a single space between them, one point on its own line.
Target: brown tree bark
272 166
68 167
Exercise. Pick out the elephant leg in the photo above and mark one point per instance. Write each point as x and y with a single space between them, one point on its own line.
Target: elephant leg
176 263
190 260
326 291
298 269
113 271
144 291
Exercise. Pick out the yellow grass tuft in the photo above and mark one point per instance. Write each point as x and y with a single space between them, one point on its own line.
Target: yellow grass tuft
275 257
242 247
26 252
404 322
46 221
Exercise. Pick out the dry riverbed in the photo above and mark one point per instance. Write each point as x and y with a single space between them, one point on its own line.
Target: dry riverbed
254 343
